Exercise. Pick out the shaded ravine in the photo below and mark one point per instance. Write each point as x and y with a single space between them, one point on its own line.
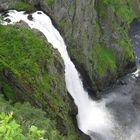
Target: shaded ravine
115 116
134 34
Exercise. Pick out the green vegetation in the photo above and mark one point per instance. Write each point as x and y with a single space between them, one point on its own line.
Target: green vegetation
50 2
63 22
122 9
31 70
77 52
8 90
126 45
25 123
104 60
12 47
10 130
22 5
118 16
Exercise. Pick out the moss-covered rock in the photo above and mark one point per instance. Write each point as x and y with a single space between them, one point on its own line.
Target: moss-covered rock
114 25
31 70
16 4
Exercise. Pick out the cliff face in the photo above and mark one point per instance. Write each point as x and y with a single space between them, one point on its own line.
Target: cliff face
95 33
96 36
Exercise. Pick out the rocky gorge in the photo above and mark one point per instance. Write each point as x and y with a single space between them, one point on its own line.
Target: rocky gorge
96 33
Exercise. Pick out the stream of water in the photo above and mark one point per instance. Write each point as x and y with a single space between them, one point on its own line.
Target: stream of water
112 118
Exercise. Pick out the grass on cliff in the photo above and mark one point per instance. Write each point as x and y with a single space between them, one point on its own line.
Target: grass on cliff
118 15
122 9
23 61
50 2
104 60
127 47
26 56
26 60
26 117
21 5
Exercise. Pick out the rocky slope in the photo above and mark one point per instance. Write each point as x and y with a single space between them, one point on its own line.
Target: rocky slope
31 70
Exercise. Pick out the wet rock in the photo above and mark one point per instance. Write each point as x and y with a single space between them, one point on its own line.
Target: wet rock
30 17
121 82
136 96
96 136
84 136
7 20
39 12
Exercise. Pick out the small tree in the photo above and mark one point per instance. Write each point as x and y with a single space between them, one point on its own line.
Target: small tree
10 130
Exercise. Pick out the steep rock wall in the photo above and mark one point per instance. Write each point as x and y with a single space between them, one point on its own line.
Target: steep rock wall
96 33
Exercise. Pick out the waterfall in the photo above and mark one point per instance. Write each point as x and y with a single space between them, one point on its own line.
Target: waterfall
93 117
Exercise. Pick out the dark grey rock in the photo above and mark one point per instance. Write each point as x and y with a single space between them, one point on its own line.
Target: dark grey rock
30 17
7 20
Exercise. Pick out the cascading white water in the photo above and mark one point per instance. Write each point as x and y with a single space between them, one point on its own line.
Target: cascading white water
92 116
